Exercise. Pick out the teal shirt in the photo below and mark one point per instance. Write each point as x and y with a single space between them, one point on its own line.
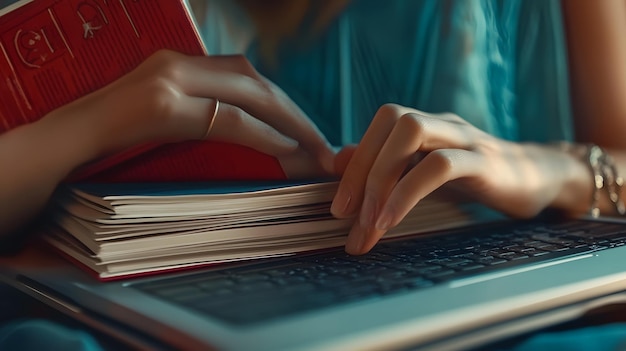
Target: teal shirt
501 65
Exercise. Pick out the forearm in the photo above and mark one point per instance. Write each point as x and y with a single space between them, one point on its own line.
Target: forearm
597 56
35 158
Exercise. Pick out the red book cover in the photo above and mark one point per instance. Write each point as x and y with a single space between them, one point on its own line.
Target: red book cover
55 51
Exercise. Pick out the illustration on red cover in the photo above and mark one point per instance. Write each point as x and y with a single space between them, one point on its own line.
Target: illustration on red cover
93 17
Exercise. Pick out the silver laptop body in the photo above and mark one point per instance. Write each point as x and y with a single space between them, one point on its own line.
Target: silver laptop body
464 311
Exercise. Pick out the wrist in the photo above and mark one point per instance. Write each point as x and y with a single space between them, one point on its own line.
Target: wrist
602 187
576 193
71 134
103 127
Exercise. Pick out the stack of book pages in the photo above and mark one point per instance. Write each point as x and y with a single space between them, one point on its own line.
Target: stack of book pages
120 230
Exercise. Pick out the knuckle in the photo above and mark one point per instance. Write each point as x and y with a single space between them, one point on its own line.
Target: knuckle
389 111
163 57
265 87
236 118
268 95
414 123
442 160
452 116
162 95
243 64
240 64
386 117
168 64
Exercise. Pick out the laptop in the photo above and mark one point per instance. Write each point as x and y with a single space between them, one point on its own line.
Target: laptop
456 289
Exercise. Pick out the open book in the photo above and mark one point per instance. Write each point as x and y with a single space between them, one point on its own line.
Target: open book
120 230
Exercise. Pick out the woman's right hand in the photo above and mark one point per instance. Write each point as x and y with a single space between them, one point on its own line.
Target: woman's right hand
406 154
171 97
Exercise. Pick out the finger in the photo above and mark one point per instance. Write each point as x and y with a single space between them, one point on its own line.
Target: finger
235 125
424 131
413 135
436 169
361 239
349 194
231 124
438 131
189 118
343 158
398 150
415 132
232 79
414 139
300 165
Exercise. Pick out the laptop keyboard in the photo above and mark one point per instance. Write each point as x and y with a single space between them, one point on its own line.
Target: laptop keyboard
275 288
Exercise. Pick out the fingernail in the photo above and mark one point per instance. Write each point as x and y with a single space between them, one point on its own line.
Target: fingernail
354 242
368 211
339 207
384 220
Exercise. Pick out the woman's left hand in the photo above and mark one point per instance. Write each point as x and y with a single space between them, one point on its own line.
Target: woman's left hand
406 154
